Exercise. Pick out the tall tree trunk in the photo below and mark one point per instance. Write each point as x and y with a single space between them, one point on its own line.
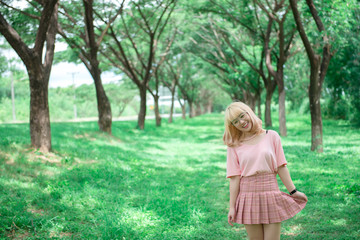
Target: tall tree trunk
198 109
103 103
142 112
209 106
183 109
280 81
282 113
38 71
157 111
315 109
191 109
40 131
172 105
269 94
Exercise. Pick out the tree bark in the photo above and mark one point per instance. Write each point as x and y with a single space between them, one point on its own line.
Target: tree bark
40 131
191 109
269 94
259 107
103 103
278 75
282 113
198 109
172 106
183 109
157 111
142 112
209 106
315 109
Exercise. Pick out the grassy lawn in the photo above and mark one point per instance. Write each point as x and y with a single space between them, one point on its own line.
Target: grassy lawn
165 183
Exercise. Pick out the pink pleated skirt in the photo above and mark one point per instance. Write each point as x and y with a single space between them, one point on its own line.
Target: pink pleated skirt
261 202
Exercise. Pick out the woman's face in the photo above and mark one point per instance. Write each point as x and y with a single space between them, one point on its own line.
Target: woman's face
242 122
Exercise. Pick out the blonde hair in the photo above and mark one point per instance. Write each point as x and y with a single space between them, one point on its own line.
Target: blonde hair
233 136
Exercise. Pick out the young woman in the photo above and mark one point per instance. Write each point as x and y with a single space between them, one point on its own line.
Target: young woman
254 157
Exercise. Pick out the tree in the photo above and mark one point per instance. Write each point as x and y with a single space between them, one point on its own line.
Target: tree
171 81
134 42
38 71
284 39
233 74
86 41
246 32
318 68
342 81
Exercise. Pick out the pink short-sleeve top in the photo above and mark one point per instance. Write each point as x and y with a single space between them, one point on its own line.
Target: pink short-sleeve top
263 157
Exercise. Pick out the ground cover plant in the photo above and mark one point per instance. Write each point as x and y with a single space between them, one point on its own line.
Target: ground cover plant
165 183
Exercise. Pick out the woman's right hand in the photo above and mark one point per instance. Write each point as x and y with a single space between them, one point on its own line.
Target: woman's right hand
231 216
300 195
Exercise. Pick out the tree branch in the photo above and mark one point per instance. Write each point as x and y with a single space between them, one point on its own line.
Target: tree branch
301 30
46 15
20 11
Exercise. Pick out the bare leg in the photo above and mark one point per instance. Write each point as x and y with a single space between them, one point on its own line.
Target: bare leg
255 231
272 231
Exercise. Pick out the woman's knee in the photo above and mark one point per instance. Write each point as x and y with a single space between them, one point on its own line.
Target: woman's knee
272 231
255 231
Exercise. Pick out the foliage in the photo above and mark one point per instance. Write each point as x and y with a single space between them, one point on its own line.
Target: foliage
343 77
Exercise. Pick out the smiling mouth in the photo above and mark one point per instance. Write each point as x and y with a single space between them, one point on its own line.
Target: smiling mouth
245 125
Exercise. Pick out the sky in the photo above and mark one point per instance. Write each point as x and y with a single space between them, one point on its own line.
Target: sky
62 74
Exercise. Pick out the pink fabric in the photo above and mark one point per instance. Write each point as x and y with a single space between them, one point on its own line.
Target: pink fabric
264 157
261 202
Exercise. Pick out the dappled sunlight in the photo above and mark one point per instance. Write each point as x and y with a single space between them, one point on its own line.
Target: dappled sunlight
338 222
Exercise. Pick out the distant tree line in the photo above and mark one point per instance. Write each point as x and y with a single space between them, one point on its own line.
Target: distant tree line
247 50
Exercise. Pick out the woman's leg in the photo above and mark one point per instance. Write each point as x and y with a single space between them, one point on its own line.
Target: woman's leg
272 231
255 231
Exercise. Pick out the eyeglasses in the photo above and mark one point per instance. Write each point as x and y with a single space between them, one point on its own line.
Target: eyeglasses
236 121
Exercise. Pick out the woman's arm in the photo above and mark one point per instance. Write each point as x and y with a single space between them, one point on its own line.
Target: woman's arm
234 191
285 178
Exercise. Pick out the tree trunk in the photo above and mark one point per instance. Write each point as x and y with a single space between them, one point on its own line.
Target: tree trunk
191 109
172 105
183 109
103 104
282 113
156 110
269 94
249 100
142 112
198 109
40 131
209 106
315 109
38 72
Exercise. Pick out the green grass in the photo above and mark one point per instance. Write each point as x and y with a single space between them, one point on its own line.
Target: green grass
165 183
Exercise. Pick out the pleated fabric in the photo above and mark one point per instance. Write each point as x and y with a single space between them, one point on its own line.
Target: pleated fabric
260 201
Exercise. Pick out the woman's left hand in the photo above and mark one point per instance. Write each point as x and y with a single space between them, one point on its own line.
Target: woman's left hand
300 195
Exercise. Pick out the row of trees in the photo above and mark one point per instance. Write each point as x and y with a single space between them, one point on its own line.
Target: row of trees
242 47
